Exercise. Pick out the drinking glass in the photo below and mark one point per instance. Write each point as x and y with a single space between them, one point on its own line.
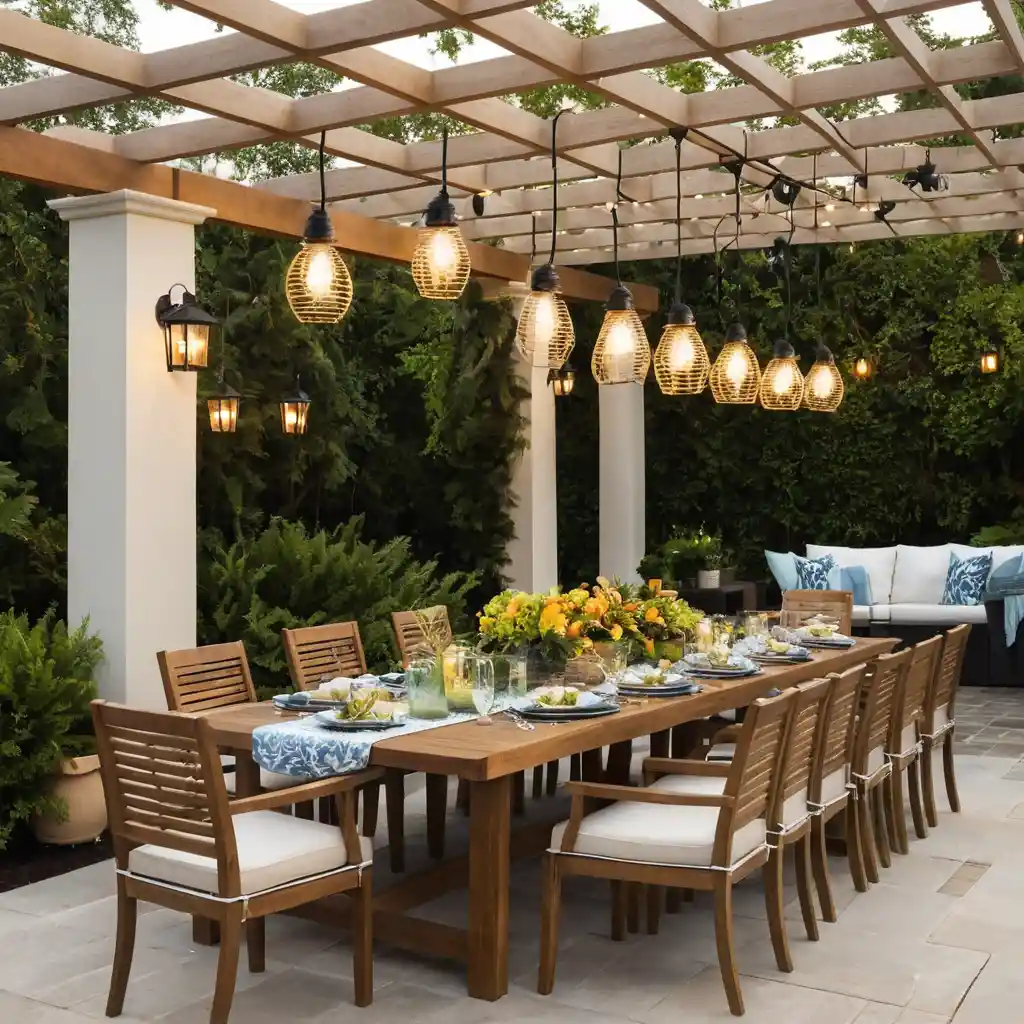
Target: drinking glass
482 675
755 623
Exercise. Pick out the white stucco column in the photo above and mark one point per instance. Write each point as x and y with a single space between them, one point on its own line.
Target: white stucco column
533 552
131 437
622 490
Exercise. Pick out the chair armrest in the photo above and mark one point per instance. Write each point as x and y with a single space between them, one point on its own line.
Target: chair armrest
632 794
682 766
305 791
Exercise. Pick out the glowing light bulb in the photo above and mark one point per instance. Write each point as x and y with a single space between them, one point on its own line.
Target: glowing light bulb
545 320
783 379
444 257
620 340
320 273
862 368
682 355
736 369
822 385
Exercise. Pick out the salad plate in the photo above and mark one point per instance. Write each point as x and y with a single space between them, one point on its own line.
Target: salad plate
330 720
568 713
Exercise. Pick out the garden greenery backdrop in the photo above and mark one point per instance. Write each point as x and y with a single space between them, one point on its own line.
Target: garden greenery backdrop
415 424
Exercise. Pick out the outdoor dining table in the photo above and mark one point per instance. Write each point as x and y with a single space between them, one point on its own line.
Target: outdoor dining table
488 758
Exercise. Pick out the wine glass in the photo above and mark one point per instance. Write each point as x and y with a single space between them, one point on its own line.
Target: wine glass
482 674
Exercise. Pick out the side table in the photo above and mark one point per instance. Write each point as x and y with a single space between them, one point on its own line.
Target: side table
728 599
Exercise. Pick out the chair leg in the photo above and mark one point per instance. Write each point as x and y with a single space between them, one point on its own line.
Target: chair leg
519 793
371 806
724 942
538 782
949 772
362 939
394 788
868 844
437 810
819 866
256 943
879 804
774 906
618 911
227 965
576 767
855 847
928 784
655 894
127 912
804 886
897 801
552 783
916 805
633 907
551 905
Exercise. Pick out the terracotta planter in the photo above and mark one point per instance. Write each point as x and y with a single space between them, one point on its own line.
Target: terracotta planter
79 784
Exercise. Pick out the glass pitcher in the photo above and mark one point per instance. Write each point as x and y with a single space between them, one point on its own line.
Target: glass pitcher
424 680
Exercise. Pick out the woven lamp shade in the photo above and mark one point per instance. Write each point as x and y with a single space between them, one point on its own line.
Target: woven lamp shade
681 363
318 284
782 384
736 375
823 388
622 354
440 262
545 335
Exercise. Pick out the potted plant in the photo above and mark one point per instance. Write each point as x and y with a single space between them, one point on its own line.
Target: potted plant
49 772
709 575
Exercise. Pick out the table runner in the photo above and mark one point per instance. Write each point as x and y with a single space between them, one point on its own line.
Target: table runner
304 748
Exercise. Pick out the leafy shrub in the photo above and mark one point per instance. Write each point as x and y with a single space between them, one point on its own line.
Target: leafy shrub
1002 534
286 577
46 684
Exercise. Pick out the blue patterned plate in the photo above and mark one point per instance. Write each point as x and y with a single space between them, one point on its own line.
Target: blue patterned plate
330 720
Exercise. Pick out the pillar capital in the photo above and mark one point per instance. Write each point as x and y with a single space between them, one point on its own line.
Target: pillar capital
124 201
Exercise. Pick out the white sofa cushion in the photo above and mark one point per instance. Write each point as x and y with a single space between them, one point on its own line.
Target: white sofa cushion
937 614
999 554
861 614
273 849
661 833
881 612
879 563
920 574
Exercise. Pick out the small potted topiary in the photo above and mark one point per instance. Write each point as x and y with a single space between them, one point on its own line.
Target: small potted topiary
49 772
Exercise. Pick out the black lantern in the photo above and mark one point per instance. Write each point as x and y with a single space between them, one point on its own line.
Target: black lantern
223 407
990 361
186 326
295 411
562 380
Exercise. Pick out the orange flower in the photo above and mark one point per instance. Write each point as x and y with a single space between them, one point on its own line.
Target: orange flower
631 607
649 646
652 615
616 632
574 630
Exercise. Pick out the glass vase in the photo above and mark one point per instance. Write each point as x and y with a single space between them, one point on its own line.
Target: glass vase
543 670
424 679
509 677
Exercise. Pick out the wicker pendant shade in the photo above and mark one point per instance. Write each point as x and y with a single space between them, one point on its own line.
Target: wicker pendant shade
681 363
736 376
440 262
782 385
823 388
545 335
622 354
318 284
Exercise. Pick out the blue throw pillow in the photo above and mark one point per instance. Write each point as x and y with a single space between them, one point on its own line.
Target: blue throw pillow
783 568
814 573
855 579
966 579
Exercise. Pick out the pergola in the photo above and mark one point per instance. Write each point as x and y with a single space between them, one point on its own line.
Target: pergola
131 511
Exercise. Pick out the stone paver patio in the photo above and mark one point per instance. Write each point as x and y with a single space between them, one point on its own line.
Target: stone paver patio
939 940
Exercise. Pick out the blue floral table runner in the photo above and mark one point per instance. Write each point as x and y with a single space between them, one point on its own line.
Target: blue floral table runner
306 749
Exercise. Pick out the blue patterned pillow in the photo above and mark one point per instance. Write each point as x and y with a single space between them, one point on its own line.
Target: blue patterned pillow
966 579
814 573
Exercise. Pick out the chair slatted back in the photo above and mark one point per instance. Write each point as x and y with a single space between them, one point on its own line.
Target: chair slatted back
203 678
410 635
838 726
947 673
910 700
800 605
313 652
879 694
756 760
164 786
800 745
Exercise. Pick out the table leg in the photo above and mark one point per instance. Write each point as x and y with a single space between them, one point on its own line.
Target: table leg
660 743
592 768
489 845
620 758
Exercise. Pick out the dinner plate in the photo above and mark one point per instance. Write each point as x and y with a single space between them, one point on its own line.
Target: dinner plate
568 714
684 690
722 673
779 659
817 641
329 720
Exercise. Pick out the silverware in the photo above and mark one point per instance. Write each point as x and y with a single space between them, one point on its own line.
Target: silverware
518 720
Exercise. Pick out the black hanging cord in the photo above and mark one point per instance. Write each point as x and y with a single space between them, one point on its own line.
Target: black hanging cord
533 239
615 220
323 183
444 161
789 274
679 218
554 183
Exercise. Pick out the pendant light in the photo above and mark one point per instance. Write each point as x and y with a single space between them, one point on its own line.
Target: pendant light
544 334
223 407
440 261
782 386
862 368
990 361
823 388
681 363
318 285
736 374
622 354
295 411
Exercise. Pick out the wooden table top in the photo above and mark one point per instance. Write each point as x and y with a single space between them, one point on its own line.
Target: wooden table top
478 753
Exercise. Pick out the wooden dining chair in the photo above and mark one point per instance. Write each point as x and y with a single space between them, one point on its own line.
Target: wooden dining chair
903 749
180 843
800 605
829 793
869 768
938 721
694 825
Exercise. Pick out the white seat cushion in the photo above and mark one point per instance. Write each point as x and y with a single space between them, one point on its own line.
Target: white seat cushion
908 740
861 614
920 575
937 614
273 849
876 759
661 833
268 780
878 562
722 752
833 785
881 612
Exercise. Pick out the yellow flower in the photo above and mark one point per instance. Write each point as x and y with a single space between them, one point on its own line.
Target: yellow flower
651 615
616 632
574 630
486 622
552 620
649 646
631 607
